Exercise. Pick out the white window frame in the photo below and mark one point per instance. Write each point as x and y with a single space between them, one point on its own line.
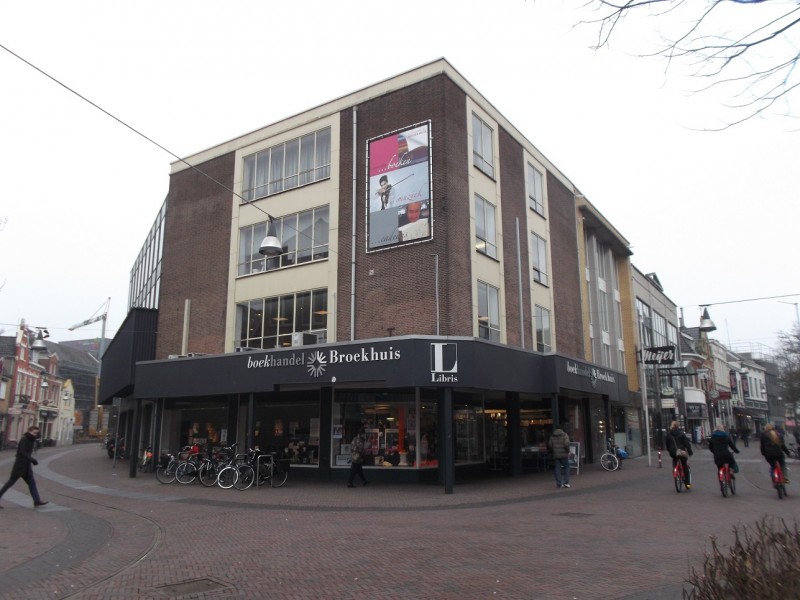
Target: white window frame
544 337
486 223
539 259
489 305
482 145
535 181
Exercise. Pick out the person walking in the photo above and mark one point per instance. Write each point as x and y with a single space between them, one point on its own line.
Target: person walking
746 437
23 466
559 447
680 449
357 460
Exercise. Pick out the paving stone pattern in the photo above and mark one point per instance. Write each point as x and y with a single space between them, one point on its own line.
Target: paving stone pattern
625 535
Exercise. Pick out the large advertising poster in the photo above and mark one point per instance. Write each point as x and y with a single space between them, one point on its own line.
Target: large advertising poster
399 189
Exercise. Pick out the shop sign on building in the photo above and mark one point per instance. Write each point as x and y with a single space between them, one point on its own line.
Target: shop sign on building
660 355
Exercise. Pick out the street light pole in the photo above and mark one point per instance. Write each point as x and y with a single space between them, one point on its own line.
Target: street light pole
643 377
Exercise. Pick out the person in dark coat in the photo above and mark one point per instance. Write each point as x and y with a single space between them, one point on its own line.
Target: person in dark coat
23 466
357 460
773 448
721 445
680 449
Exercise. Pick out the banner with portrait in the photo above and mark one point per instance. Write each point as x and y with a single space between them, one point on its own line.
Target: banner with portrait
399 188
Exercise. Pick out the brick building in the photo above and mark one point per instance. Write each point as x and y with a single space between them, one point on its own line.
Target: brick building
439 280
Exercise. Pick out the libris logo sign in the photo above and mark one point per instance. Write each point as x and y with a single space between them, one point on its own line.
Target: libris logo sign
444 363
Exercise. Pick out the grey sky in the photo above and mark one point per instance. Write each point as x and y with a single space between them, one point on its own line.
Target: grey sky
713 214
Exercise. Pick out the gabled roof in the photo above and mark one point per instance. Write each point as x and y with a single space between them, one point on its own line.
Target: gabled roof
72 356
8 345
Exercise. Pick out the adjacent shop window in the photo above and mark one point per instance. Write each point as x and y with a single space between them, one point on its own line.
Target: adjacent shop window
482 154
271 322
289 427
468 428
485 228
535 189
286 166
543 331
394 434
539 259
304 237
488 312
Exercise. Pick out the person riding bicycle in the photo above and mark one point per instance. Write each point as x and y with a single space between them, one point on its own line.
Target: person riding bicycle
773 448
680 448
720 444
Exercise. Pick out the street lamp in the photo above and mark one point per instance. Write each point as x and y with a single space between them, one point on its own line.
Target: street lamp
706 324
271 245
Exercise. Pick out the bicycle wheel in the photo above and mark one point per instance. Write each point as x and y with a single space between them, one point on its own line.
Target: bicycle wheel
279 474
166 474
678 477
186 473
208 474
732 484
609 462
781 491
246 477
723 487
227 477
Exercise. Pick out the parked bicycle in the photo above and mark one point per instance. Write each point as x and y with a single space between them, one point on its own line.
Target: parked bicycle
146 466
612 458
168 465
229 473
261 468
727 481
212 465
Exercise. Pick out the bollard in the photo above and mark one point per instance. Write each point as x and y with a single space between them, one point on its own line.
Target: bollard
659 458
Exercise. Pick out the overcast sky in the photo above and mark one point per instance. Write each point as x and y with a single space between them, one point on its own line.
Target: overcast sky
713 214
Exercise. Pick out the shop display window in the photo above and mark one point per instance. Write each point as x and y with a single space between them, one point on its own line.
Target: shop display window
394 436
291 429
468 428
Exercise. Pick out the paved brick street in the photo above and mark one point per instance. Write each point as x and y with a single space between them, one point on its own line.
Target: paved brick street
624 535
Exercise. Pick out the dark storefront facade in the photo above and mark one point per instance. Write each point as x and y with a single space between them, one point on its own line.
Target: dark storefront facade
430 406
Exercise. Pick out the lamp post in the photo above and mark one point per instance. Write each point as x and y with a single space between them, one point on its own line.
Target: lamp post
643 378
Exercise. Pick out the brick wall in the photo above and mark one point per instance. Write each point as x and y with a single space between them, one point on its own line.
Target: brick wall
195 261
395 288
566 276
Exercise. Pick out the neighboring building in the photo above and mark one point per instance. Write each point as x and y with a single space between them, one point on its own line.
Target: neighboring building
440 284
77 362
668 377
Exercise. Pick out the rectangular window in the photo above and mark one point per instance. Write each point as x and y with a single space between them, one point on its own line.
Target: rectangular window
297 162
659 330
539 259
485 229
482 153
543 335
488 312
304 237
535 190
602 308
270 322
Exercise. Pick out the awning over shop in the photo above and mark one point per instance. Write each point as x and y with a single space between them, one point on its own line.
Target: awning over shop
750 412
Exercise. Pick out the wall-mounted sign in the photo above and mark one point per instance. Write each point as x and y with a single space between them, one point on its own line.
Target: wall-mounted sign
660 355
399 207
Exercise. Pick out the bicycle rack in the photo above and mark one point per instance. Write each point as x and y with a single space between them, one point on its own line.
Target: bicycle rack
270 455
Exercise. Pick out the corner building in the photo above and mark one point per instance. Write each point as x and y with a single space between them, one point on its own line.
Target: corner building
433 289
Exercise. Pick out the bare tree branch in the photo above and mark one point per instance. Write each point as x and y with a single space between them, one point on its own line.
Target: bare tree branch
756 63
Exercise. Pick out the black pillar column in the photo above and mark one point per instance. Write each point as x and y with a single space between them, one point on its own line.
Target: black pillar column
251 414
132 449
447 446
513 433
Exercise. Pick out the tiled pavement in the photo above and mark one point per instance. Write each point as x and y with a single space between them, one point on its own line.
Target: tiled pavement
624 535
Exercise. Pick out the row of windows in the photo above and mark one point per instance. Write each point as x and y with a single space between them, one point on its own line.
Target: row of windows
304 236
483 159
286 166
270 322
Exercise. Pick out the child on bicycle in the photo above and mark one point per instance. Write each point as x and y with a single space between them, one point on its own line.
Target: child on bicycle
720 444
773 448
680 449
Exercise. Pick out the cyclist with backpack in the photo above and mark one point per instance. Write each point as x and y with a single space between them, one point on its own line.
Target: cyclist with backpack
773 448
679 447
721 444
